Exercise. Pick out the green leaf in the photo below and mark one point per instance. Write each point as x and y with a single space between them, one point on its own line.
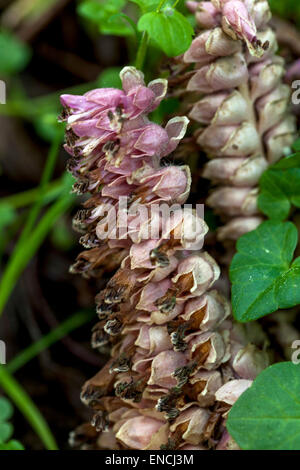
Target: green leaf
96 10
279 188
47 125
146 5
14 54
296 145
150 5
287 9
6 409
267 415
116 26
61 236
21 399
6 431
170 30
262 269
110 78
167 106
7 215
106 16
12 445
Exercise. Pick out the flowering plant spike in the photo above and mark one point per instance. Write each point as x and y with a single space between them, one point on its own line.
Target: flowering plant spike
242 106
177 362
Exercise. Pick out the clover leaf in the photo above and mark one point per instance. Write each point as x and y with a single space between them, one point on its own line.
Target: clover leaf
267 415
264 278
169 29
279 188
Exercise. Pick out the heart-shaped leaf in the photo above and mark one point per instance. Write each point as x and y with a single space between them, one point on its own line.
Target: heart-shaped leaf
267 415
279 188
169 29
146 5
106 16
110 78
296 145
263 277
12 445
14 54
6 431
6 409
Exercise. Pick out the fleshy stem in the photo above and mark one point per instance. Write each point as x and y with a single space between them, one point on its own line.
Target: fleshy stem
22 401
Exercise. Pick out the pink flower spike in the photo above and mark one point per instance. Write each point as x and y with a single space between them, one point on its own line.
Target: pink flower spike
238 24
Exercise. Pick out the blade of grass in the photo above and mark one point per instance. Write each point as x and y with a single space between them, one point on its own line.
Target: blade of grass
39 199
33 108
26 406
26 198
46 176
26 250
75 321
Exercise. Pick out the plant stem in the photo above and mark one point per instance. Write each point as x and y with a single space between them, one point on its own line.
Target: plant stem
161 4
24 403
46 176
141 53
25 246
26 198
75 321
130 22
26 250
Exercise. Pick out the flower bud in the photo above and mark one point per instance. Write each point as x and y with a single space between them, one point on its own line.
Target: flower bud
192 424
280 139
206 13
265 76
234 201
236 171
250 361
137 432
230 141
272 107
238 226
237 23
222 74
231 391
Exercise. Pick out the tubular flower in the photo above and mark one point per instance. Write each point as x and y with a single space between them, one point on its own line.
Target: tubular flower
115 153
177 363
242 106
176 368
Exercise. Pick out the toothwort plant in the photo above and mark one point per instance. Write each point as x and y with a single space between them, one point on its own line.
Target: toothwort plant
177 362
242 105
